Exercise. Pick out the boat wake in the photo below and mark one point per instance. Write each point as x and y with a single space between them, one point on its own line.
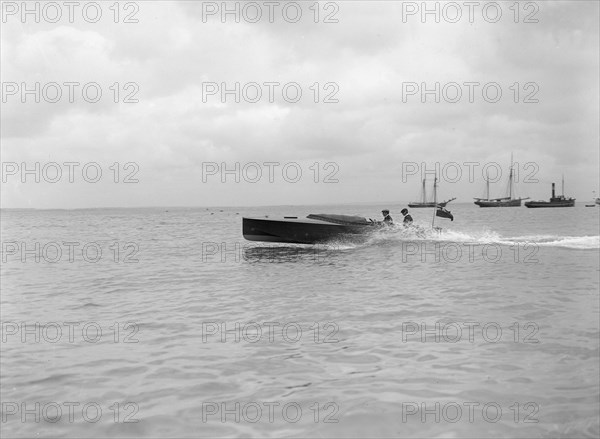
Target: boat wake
399 234
574 242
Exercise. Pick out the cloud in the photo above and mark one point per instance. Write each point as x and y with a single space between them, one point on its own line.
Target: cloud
361 63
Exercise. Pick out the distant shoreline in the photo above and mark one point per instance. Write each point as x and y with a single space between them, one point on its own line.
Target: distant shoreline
388 204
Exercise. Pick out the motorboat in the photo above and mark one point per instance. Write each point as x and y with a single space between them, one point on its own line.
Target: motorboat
324 227
314 229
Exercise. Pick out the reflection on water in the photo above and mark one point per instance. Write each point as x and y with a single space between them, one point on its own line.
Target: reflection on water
288 253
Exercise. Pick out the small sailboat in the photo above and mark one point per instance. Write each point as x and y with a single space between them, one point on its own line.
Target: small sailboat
424 202
560 201
508 201
596 200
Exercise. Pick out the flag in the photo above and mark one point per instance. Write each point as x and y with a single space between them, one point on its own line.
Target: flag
441 212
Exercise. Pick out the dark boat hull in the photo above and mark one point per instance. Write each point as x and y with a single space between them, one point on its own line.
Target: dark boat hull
505 203
540 204
302 231
418 205
560 201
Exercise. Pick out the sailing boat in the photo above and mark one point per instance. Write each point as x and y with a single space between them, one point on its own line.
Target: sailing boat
504 201
424 202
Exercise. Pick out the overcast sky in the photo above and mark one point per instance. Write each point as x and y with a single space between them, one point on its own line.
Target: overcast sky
360 141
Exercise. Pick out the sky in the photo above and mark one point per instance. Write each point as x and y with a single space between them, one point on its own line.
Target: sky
186 103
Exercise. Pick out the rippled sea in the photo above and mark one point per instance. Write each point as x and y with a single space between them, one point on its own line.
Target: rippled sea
169 324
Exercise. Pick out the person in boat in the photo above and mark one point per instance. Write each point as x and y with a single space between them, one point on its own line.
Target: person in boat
387 219
407 218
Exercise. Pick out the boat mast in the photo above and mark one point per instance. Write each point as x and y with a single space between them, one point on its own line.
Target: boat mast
563 185
434 200
423 192
487 185
510 178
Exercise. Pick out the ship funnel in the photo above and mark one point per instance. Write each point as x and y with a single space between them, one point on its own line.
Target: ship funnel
553 190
